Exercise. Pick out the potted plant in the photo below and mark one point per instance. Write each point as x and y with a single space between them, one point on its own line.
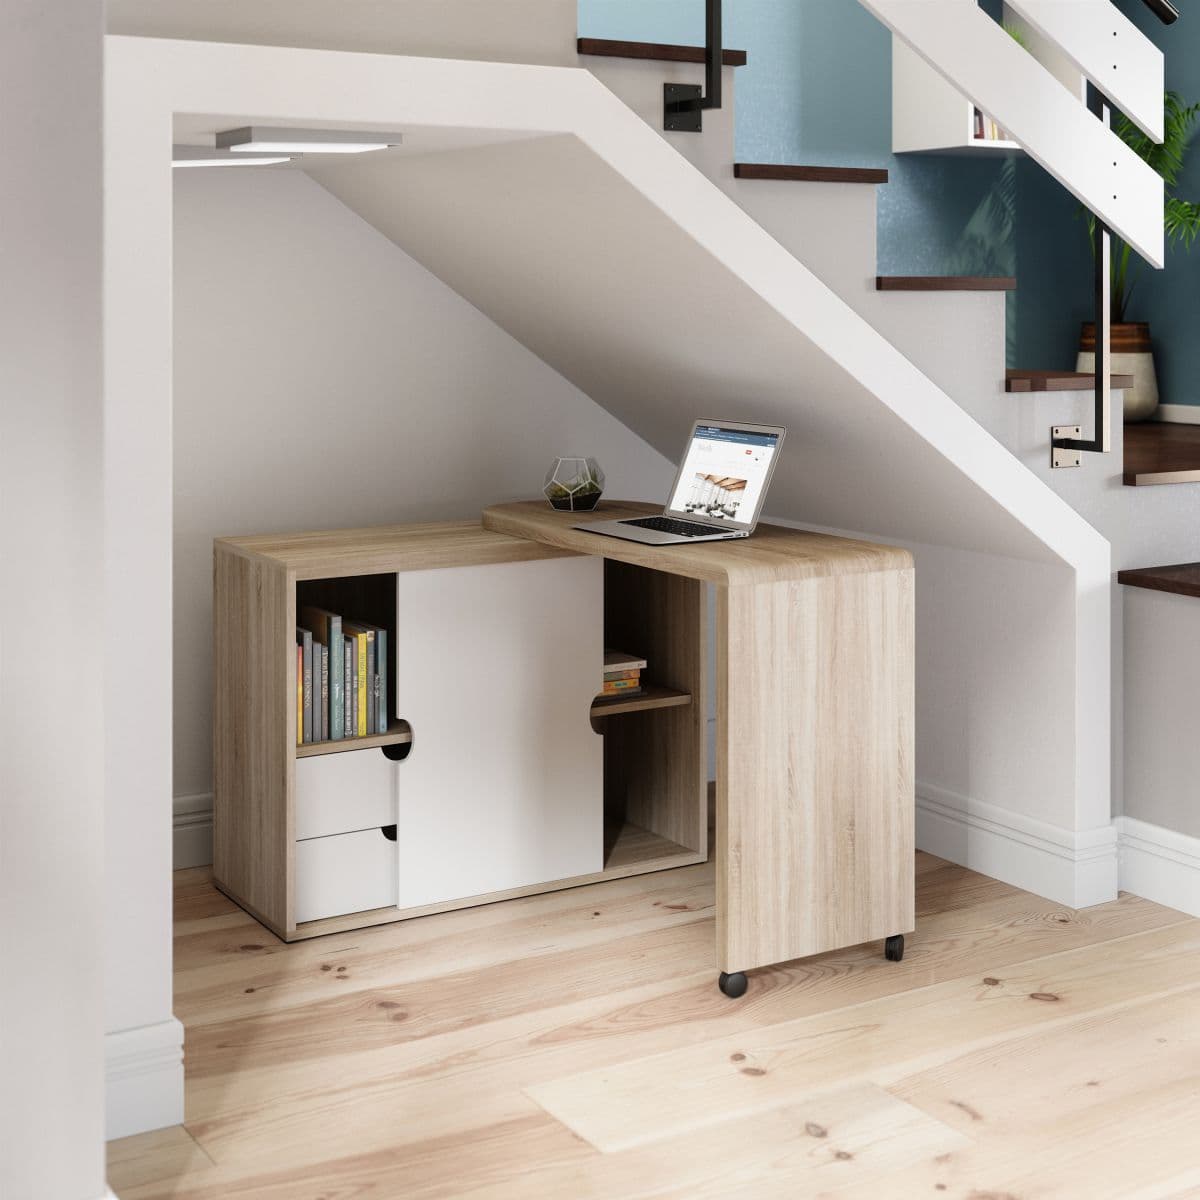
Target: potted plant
1131 350
574 483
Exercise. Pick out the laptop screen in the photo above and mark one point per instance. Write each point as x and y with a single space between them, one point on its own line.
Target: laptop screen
725 473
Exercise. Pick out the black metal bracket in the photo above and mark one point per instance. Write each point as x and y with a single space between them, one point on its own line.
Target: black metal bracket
684 103
1064 450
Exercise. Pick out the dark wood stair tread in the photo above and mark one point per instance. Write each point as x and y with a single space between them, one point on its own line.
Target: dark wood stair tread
810 174
945 283
1183 579
658 51
1058 381
1159 452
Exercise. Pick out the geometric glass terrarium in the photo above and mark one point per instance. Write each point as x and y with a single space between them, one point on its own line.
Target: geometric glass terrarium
574 484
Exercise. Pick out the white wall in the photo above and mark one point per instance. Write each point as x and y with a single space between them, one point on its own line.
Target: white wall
51 603
531 31
323 379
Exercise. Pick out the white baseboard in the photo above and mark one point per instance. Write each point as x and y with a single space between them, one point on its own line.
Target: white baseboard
143 1071
193 832
1075 869
1160 865
1179 414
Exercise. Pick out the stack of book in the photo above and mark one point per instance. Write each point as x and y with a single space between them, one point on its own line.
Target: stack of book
341 677
622 674
986 130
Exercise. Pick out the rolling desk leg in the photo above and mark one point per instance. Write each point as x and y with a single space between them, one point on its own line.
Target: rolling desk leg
814 768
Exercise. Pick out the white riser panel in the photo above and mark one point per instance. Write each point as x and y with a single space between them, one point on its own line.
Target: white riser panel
347 873
496 670
341 793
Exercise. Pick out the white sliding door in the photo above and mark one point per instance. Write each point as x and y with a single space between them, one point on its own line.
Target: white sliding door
496 667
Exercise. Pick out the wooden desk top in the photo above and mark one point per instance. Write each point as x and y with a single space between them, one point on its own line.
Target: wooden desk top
332 553
771 553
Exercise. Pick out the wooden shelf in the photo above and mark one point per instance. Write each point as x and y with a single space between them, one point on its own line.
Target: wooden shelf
944 283
1182 579
1158 452
1058 381
398 733
808 174
652 695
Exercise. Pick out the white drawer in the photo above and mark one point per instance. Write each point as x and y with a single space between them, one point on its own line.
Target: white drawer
341 793
346 873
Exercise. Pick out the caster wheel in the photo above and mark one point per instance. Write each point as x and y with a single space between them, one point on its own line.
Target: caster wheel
893 948
733 985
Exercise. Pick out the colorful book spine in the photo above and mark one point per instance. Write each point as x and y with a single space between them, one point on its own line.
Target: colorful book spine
304 637
358 661
364 636
299 695
381 671
347 686
611 675
370 728
325 716
616 687
327 627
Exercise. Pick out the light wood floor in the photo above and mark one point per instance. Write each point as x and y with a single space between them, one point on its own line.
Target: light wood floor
575 1045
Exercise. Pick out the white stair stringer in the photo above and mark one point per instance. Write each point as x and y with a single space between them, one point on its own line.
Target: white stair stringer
1109 49
957 339
960 41
615 260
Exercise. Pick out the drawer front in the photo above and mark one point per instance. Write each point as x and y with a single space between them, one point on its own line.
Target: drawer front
342 793
346 873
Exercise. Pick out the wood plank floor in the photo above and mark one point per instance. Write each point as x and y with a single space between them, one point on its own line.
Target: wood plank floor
575 1045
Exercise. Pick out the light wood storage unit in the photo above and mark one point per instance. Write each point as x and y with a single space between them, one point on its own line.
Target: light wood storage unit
301 831
815 807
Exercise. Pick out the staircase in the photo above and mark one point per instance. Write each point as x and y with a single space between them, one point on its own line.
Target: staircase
669 284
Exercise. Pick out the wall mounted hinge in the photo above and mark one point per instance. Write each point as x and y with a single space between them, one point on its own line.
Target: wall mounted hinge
1065 456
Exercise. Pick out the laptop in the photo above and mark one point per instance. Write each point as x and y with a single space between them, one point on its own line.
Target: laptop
718 492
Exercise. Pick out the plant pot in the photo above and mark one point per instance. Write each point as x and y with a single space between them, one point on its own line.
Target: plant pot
573 484
1131 355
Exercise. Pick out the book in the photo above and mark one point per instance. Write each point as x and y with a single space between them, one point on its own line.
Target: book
353 647
364 636
381 665
299 695
610 675
347 686
324 705
614 686
327 627
304 637
618 660
623 692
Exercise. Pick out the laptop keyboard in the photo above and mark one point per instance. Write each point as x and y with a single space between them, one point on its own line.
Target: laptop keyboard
672 525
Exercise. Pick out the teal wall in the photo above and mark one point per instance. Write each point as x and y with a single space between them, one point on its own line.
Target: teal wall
817 89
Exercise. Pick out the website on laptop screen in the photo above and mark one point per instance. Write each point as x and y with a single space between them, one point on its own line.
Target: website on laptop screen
724 473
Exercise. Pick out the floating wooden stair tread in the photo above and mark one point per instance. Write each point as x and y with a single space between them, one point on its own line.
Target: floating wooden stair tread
945 283
810 174
1161 452
1183 578
652 695
658 51
1058 381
